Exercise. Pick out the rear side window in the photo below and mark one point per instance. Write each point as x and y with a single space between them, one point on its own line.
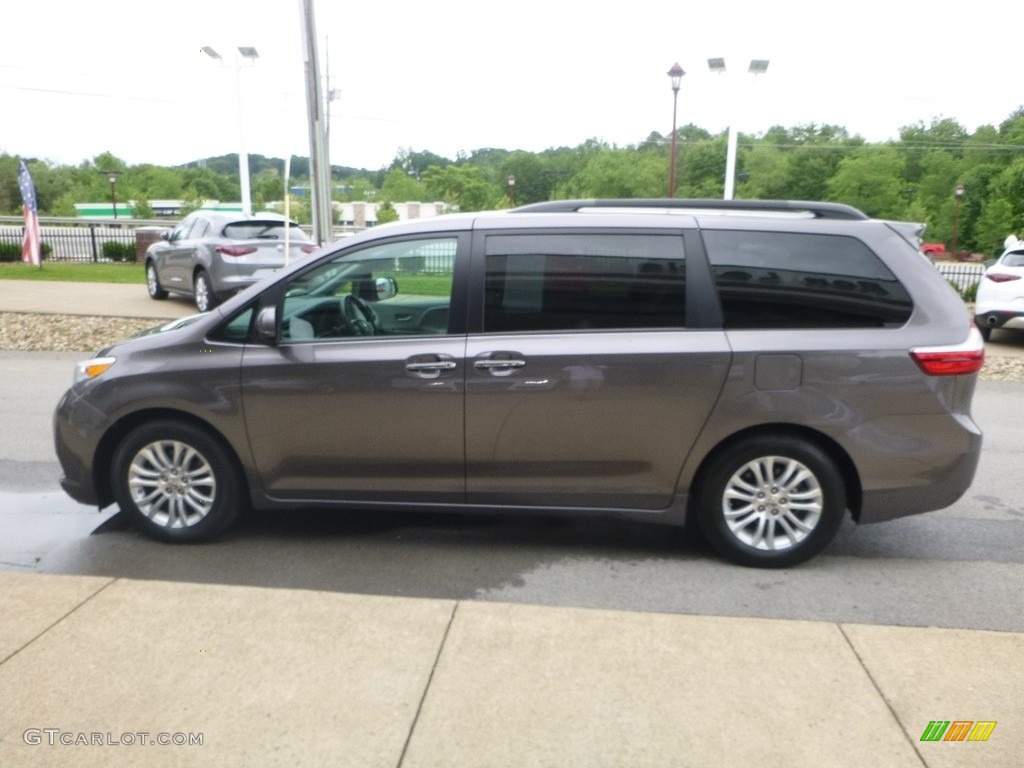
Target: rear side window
796 280
584 282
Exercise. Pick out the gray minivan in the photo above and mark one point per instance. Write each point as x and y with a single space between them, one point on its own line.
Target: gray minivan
760 367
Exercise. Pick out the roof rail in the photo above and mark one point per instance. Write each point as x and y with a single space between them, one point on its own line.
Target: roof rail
818 210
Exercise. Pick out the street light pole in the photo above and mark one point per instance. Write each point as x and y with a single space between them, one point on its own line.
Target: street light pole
112 178
757 67
959 193
250 53
676 74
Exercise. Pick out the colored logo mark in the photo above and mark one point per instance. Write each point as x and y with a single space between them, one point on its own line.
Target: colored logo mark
958 730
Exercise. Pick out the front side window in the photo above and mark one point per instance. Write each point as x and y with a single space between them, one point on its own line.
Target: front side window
800 280
584 282
181 231
391 289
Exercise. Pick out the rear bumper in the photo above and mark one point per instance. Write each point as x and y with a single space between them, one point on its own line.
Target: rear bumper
1000 318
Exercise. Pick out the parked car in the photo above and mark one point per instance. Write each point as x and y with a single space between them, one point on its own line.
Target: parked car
761 372
933 249
1000 299
212 255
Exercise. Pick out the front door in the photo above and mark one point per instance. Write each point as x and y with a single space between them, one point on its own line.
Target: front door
362 398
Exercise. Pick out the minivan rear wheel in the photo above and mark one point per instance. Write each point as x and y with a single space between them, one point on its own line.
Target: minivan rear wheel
771 502
176 482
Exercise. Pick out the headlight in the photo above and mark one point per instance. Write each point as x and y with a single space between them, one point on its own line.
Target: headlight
90 369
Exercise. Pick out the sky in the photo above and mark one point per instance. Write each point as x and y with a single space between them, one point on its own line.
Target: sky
127 76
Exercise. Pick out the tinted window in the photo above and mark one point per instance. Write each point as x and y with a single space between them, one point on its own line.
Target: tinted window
262 230
585 281
792 280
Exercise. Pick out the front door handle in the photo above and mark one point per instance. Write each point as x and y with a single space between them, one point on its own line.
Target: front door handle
429 366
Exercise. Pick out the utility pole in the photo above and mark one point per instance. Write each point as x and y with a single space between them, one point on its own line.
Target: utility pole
319 162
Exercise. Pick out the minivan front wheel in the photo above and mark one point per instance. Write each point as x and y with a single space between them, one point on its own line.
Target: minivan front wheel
177 482
771 502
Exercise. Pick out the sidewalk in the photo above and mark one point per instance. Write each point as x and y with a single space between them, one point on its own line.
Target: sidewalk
297 678
99 299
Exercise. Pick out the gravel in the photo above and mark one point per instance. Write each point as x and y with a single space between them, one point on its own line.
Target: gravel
78 333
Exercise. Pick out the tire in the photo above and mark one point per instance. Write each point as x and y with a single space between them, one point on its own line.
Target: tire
153 283
206 299
177 482
745 502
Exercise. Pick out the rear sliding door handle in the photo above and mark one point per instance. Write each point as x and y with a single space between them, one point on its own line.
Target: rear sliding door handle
505 365
492 364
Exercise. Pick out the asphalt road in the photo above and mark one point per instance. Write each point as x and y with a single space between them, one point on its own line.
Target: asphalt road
961 567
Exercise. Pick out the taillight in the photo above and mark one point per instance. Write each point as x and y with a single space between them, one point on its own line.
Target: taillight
308 248
235 250
1001 277
955 360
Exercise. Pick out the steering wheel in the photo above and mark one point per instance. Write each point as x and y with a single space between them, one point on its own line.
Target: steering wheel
360 318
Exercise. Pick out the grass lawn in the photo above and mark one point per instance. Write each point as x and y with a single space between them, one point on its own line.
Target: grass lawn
75 272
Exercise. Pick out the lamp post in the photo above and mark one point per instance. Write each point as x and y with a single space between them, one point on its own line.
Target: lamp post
676 74
757 67
250 53
959 194
112 178
512 189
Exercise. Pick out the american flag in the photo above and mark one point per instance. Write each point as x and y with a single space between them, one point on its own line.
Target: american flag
30 250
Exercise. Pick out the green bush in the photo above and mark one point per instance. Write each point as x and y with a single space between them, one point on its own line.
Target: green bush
116 251
12 251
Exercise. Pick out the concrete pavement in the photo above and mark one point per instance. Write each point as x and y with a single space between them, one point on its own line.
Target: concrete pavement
98 299
297 678
266 677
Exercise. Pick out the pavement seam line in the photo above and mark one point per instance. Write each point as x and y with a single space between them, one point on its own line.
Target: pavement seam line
896 717
58 621
426 688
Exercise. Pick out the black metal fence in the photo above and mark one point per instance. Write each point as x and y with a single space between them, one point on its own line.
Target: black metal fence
962 275
77 240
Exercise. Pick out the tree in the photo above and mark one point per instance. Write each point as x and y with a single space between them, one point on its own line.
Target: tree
621 173
400 187
767 172
871 179
462 186
386 213
533 183
995 223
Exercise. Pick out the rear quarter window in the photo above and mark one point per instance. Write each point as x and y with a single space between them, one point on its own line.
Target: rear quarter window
801 280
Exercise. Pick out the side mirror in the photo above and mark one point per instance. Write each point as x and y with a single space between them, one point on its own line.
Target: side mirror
165 235
386 287
266 325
